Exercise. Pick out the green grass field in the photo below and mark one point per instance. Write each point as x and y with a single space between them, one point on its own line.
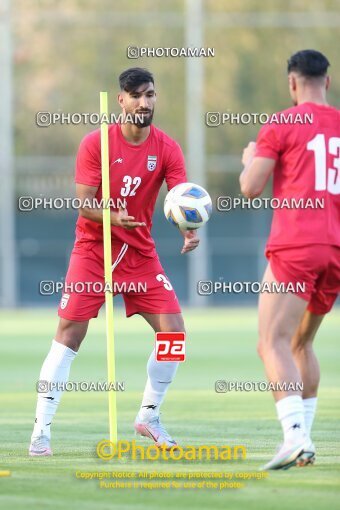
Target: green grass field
221 345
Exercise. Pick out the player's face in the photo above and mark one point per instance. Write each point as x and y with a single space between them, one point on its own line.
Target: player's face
141 101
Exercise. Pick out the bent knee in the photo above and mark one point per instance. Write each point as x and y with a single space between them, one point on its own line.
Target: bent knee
272 343
175 324
71 333
301 345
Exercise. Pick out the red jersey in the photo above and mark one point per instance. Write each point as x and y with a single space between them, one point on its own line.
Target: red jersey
136 175
307 167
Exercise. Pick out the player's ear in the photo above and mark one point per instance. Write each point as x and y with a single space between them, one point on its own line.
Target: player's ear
120 100
328 82
292 82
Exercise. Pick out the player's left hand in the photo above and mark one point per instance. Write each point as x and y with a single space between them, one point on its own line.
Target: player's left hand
191 240
248 153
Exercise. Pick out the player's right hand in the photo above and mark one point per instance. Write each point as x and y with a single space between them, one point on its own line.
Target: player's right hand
248 153
122 219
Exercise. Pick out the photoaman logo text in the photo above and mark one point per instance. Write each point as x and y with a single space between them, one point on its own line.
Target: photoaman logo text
106 450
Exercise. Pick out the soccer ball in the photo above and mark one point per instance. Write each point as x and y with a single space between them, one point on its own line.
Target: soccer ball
187 206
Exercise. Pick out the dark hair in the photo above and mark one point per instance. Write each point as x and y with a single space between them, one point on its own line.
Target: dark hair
308 63
133 78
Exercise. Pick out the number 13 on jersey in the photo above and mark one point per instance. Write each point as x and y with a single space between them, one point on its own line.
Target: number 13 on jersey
326 179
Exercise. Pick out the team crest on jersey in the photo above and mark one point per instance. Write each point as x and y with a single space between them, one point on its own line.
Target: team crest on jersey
152 163
64 301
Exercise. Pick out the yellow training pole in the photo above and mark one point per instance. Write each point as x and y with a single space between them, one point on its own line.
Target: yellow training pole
111 372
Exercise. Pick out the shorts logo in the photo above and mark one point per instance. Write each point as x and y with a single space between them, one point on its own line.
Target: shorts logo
170 346
64 301
152 163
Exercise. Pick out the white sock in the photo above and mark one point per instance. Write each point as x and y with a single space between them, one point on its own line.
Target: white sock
290 412
309 405
160 375
56 368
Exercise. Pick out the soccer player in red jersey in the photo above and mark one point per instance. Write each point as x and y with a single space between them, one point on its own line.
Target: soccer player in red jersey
141 157
303 246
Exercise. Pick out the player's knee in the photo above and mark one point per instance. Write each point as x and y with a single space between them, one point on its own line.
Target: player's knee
263 344
71 333
176 324
271 343
260 349
180 327
297 347
301 345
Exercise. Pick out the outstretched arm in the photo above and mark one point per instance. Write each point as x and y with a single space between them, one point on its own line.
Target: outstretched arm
119 218
175 174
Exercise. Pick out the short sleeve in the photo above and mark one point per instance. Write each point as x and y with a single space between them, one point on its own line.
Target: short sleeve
267 143
175 172
88 162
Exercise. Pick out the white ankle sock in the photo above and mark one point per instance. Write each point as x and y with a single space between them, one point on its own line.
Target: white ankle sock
290 412
160 375
56 368
309 405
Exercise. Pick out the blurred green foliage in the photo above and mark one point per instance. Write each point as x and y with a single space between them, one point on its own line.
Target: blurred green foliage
66 51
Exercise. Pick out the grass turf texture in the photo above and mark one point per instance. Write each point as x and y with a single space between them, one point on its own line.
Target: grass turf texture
221 345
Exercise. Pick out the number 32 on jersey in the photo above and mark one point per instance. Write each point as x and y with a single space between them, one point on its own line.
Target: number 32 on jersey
130 186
